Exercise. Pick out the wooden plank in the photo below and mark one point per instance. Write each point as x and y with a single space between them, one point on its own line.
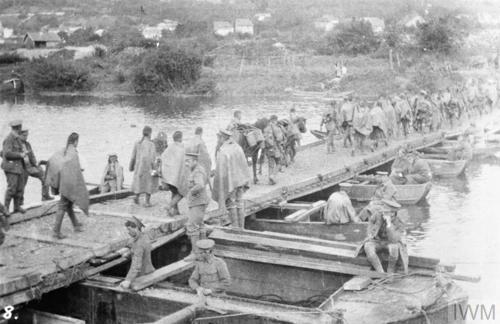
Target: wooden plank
146 218
185 315
279 245
283 236
65 241
39 317
272 257
292 206
316 206
48 208
161 274
9 285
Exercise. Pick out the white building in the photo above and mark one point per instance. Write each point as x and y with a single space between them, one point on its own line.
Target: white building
326 23
223 28
243 26
262 16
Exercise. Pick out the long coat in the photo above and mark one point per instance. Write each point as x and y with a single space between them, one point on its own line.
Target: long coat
173 167
142 164
64 174
12 155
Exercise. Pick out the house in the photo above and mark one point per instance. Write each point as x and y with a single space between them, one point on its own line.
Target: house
169 25
326 23
41 40
412 21
223 28
262 16
243 26
378 25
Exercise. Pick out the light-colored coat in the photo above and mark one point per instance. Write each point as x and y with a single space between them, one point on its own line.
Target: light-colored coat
142 164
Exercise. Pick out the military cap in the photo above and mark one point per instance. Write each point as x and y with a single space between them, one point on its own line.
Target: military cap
112 154
205 244
391 203
134 222
16 123
225 132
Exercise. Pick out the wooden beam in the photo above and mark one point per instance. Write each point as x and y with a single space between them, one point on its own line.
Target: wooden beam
298 261
302 246
161 274
65 241
185 315
38 317
298 216
292 206
9 285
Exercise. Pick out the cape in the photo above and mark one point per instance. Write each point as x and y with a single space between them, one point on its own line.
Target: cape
231 170
173 167
64 174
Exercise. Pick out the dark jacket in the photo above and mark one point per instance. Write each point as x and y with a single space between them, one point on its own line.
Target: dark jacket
12 154
141 258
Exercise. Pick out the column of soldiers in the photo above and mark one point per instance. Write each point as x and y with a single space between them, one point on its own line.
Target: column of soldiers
376 122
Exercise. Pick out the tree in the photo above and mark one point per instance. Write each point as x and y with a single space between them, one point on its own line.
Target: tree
353 38
443 34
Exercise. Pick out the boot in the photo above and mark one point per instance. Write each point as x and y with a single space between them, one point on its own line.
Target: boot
375 262
17 206
45 193
241 217
136 199
391 267
233 215
77 226
56 231
7 202
148 201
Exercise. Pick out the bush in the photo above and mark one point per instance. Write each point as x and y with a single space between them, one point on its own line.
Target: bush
167 69
57 74
353 38
82 36
11 58
442 35
206 85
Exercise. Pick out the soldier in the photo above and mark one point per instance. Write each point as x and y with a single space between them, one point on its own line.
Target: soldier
197 144
386 232
173 172
65 177
197 200
14 167
33 169
330 125
232 178
280 138
273 153
140 250
346 117
143 163
112 179
210 273
235 122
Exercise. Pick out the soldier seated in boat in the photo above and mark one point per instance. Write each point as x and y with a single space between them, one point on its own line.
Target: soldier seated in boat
339 209
462 151
386 231
140 250
112 179
419 170
210 273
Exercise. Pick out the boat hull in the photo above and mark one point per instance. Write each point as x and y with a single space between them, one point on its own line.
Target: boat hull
406 195
446 168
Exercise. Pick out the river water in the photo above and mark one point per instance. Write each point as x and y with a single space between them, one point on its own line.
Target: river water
459 223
